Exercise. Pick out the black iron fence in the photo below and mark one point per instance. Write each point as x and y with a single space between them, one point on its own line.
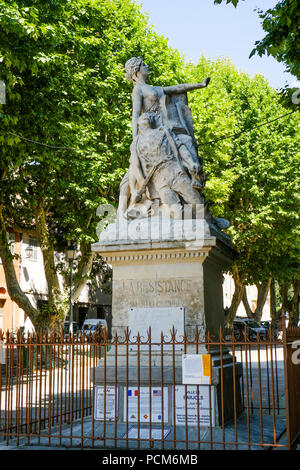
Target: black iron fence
90 391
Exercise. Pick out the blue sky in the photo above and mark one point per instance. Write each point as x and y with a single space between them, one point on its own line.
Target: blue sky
198 26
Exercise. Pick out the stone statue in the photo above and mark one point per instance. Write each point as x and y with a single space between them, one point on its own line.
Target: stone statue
165 169
155 150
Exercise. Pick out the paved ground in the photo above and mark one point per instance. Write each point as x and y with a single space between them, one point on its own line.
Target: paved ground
247 432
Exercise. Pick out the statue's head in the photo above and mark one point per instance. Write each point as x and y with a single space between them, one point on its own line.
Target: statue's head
135 66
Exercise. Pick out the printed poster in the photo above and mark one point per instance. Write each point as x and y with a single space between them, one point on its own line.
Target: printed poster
110 402
196 369
141 397
187 409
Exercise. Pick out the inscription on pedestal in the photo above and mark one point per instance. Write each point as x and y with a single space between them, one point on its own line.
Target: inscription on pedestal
153 286
162 292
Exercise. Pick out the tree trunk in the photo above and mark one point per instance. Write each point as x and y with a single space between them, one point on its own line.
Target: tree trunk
294 314
13 286
272 300
249 312
262 294
48 254
83 270
283 290
237 295
274 313
57 311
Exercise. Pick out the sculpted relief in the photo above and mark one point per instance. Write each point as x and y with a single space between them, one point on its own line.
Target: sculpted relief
165 171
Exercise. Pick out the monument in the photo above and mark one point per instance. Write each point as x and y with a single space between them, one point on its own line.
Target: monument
166 249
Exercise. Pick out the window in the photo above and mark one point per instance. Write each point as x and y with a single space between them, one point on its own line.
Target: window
31 250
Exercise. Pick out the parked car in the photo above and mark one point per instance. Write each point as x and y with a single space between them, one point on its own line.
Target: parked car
90 325
256 329
267 326
253 328
238 331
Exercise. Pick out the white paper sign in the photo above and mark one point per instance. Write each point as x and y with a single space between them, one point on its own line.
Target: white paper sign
196 369
186 406
110 403
141 397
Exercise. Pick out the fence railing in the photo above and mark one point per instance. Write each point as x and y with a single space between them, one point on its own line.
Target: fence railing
291 340
91 391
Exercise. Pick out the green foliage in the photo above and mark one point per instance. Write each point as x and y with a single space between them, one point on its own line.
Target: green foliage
253 180
52 316
63 65
234 2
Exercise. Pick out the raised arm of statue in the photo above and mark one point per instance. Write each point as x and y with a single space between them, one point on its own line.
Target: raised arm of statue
185 87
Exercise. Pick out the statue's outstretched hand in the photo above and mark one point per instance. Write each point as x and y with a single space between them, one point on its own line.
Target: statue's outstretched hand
206 81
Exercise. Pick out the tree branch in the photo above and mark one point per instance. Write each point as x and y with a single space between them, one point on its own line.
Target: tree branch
48 253
237 295
83 270
13 286
294 314
248 309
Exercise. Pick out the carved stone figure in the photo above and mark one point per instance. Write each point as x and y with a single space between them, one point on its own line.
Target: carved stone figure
155 149
165 169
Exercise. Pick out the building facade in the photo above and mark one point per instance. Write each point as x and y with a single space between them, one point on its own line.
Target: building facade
92 303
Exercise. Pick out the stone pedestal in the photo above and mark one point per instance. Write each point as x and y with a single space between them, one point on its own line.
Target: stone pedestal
182 271
165 274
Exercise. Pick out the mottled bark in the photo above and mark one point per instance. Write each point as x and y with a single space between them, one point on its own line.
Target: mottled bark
237 295
13 286
48 254
283 290
272 300
247 307
275 314
294 311
262 294
83 269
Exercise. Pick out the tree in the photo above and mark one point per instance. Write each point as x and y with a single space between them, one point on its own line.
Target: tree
63 66
252 179
282 39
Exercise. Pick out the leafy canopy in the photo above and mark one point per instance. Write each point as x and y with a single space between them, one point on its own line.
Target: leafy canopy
253 180
63 65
